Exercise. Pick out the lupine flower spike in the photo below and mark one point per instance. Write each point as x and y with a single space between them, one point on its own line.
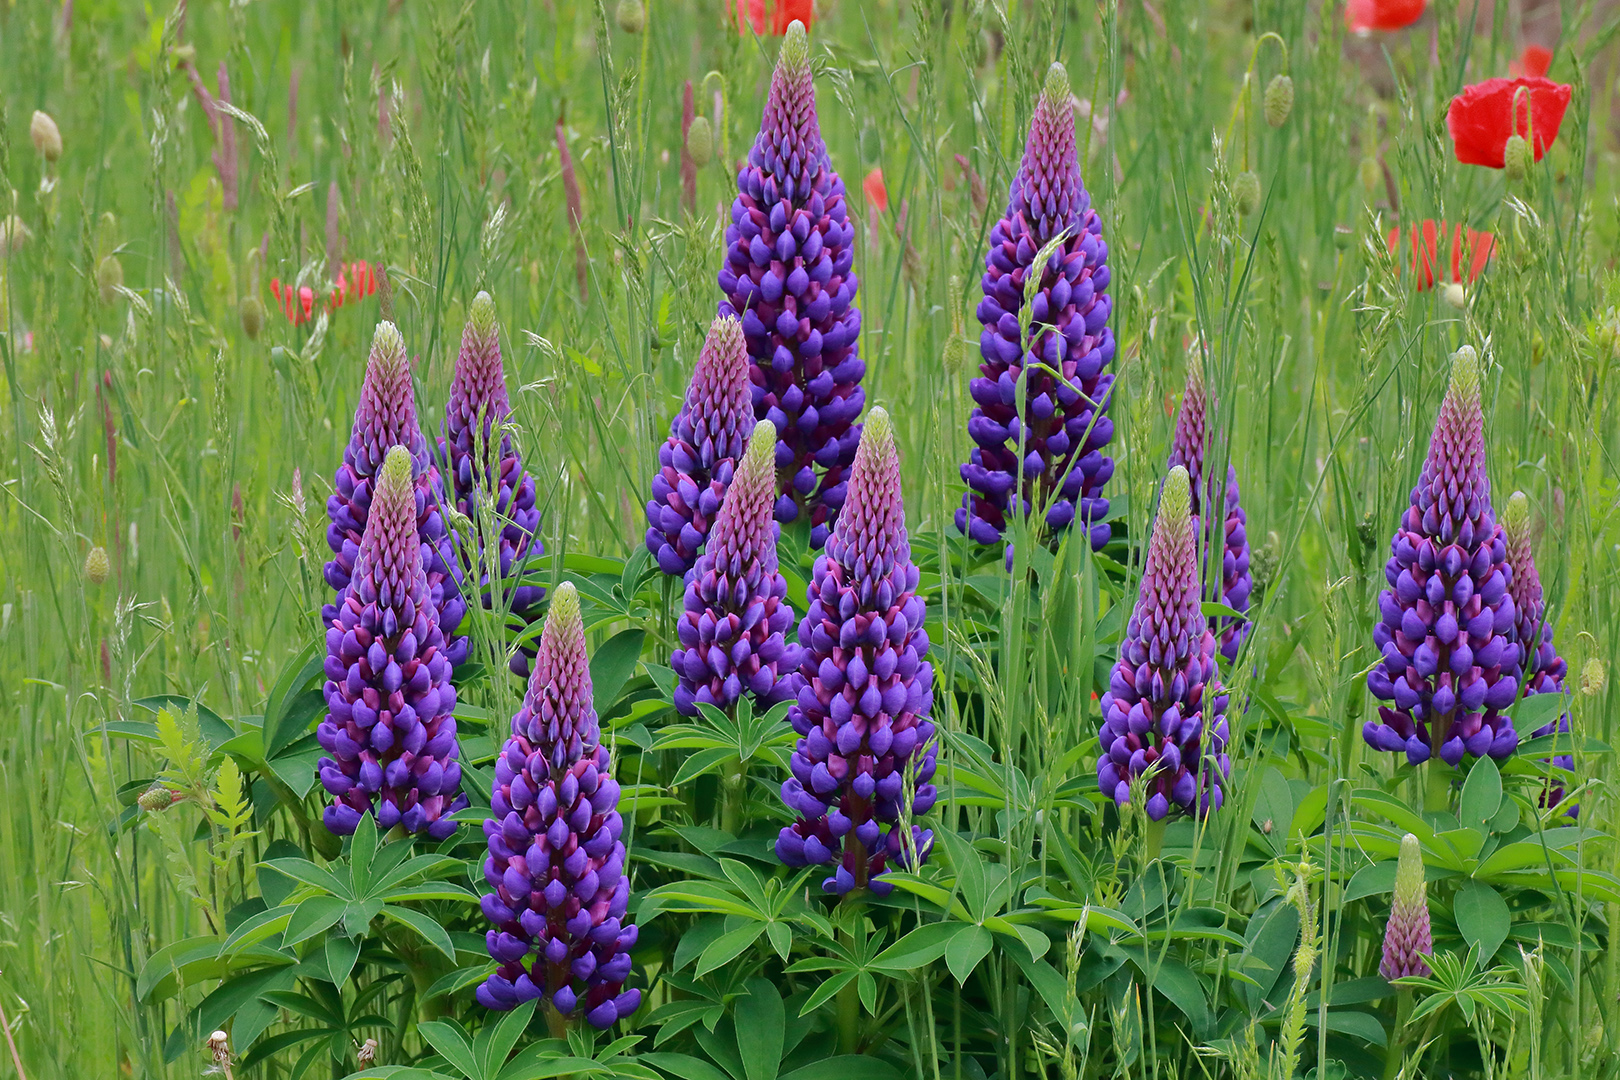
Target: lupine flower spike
736 610
1063 422
706 440
482 469
1407 939
787 277
386 417
556 863
866 689
1447 619
1230 530
1544 670
1164 715
390 729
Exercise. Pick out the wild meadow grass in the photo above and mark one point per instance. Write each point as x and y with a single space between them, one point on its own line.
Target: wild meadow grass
171 435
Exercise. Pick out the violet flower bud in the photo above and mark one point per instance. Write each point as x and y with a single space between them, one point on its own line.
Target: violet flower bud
1447 620
1407 939
1164 715
1057 434
706 440
1225 540
788 278
390 728
556 861
736 611
386 417
865 690
483 470
1544 671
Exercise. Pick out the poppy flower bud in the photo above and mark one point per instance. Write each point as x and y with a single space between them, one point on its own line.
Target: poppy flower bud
155 798
1594 677
97 566
252 317
47 137
1246 192
1279 100
631 16
13 234
1370 175
1455 296
1343 237
700 141
1516 158
109 275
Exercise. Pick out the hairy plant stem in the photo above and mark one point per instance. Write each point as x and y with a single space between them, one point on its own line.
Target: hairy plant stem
849 998
1395 1054
1436 788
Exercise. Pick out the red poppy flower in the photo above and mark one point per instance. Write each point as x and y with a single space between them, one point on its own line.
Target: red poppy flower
1534 61
877 193
751 15
1485 115
1365 16
297 304
356 281
1470 251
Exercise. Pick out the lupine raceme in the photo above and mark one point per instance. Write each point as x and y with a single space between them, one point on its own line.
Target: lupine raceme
1039 445
1164 714
865 690
1543 670
1447 620
1407 939
1223 540
487 474
386 417
556 860
706 440
389 731
736 610
787 276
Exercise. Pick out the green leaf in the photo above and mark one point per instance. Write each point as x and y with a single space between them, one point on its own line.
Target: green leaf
1213 610
970 879
846 1067
1481 795
825 992
964 951
919 948
1482 916
430 931
341 953
684 1066
612 667
362 848
1274 808
448 1038
1538 710
1375 880
310 874
701 762
311 917
727 947
492 1050
213 727
1185 992
760 1023
296 675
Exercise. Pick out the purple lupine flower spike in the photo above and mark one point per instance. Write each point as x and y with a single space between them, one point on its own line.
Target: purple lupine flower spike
1407 938
1187 450
386 417
476 411
736 609
1164 715
787 276
866 689
556 863
1544 670
1064 422
1447 626
706 440
390 729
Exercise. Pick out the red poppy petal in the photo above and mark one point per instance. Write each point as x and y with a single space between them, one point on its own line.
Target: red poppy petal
1362 16
1536 60
877 193
1485 115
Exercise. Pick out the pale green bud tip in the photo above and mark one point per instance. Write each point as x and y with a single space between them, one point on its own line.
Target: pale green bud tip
726 332
397 471
1464 375
1516 518
795 55
563 615
1409 871
877 436
760 457
388 346
1056 91
1175 505
481 316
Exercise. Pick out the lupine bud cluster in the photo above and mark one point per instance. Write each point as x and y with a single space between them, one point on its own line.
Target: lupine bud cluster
706 440
1447 626
865 690
386 417
390 732
1164 715
787 276
736 610
1407 938
1057 435
1229 532
1544 671
556 862
488 472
